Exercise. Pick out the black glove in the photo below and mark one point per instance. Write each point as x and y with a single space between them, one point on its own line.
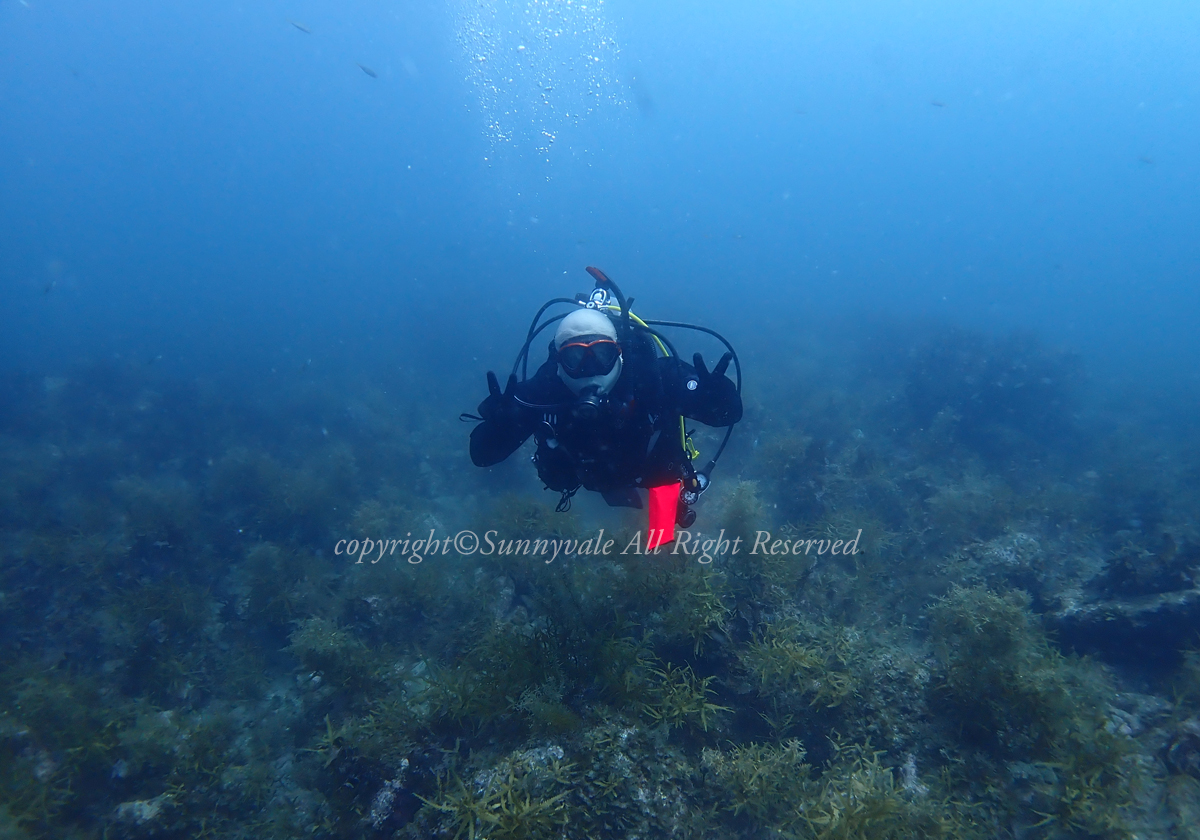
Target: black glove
500 407
708 380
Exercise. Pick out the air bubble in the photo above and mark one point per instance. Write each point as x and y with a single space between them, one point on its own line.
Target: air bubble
526 55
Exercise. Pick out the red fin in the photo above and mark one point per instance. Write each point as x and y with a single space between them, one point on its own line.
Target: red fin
600 276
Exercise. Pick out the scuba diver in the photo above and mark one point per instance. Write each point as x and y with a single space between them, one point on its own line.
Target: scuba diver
607 409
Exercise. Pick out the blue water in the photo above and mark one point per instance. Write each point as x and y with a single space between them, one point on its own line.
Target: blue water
256 258
209 183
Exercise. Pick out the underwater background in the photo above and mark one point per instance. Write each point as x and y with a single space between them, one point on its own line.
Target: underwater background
255 259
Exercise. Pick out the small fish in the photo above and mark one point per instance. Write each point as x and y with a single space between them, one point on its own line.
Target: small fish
938 104
301 27
1146 160
367 70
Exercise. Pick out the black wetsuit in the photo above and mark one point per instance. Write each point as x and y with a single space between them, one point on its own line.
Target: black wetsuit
632 441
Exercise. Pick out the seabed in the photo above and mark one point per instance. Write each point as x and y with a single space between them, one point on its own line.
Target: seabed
1012 651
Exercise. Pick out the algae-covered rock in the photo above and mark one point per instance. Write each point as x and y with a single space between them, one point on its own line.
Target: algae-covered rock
325 649
1138 630
145 817
1183 750
1183 804
1141 608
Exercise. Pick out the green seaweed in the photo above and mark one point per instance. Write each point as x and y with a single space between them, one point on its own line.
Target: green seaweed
388 731
547 712
489 679
160 511
524 798
787 656
698 610
1003 678
860 798
768 782
58 735
1021 699
188 657
744 513
335 654
681 698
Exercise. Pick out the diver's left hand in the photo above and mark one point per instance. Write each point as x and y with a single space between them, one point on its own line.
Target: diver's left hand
706 377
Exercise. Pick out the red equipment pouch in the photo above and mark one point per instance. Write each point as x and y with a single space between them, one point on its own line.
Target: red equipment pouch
664 504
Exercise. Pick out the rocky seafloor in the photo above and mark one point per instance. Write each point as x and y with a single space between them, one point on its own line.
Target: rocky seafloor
1013 651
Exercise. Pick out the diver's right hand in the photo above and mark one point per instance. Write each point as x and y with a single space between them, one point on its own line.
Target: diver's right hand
500 407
